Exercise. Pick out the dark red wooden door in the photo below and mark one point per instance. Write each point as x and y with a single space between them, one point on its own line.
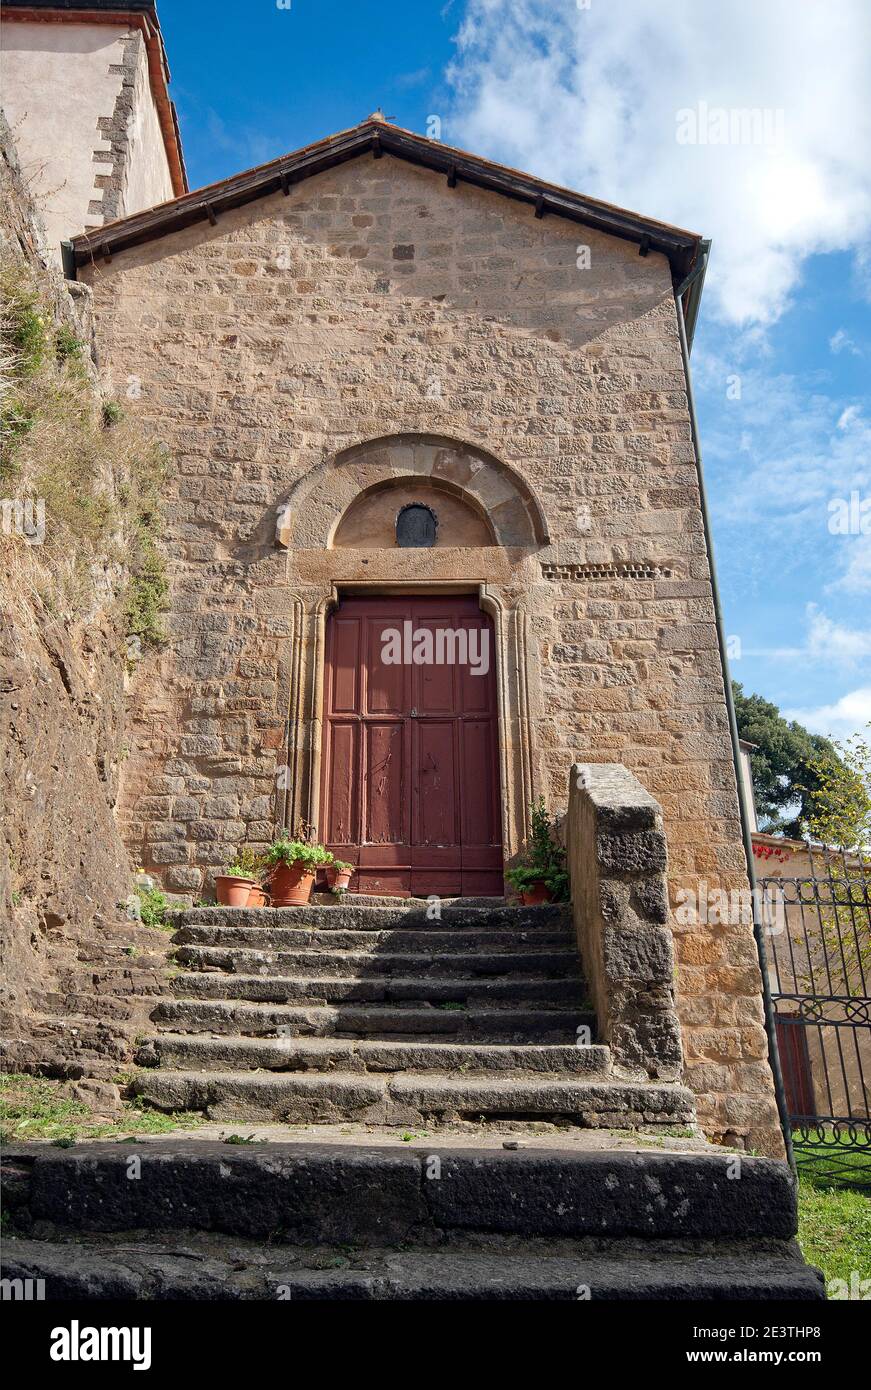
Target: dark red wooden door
410 769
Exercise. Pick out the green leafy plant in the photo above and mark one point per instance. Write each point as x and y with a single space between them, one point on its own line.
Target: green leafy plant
67 347
247 864
544 860
148 589
236 871
34 1107
24 324
300 852
153 907
111 413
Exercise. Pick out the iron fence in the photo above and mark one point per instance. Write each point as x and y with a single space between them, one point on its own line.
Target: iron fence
818 928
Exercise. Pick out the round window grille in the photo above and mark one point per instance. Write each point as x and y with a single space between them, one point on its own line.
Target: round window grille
416 525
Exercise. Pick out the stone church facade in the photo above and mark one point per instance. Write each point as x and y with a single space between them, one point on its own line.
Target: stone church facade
376 323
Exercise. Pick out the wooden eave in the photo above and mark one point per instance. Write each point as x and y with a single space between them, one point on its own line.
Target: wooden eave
376 137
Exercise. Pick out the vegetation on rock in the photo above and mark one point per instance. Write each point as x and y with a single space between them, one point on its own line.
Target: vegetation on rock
100 486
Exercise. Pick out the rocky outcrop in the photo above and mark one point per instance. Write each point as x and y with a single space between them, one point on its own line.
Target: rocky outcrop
77 969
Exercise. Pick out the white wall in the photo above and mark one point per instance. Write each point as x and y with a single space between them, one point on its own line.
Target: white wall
747 780
147 177
56 83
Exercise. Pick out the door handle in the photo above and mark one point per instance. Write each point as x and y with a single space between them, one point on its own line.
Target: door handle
412 714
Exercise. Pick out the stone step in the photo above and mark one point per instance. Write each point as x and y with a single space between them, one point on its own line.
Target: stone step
497 1025
392 1195
334 989
398 939
171 1268
185 1052
358 964
406 1099
351 917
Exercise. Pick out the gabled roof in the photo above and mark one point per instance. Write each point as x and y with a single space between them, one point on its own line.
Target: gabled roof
686 251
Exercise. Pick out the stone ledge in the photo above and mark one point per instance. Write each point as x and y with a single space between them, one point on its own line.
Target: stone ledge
311 1192
220 1268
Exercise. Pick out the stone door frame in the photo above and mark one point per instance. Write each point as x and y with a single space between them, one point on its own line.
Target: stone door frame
299 796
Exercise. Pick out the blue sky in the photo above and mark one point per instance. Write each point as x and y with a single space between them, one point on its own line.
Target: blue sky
591 93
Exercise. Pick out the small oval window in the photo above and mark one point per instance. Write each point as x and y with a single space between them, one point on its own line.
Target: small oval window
416 525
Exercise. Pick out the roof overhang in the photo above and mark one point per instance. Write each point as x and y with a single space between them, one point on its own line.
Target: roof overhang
130 14
684 250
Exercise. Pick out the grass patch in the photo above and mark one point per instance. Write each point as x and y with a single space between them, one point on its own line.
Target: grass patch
834 1216
32 1107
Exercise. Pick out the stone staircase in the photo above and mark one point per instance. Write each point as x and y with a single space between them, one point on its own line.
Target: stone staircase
375 1014
382 1060
375 1220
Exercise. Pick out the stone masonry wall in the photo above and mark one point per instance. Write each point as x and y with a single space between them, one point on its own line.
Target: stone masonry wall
375 300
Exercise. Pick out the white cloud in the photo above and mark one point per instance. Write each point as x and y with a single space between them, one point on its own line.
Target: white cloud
848 715
849 417
591 98
842 342
826 642
856 578
832 641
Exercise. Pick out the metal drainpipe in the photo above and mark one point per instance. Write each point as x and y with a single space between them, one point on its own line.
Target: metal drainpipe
758 928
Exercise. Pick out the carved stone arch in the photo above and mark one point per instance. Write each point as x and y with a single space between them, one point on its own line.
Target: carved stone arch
309 518
358 526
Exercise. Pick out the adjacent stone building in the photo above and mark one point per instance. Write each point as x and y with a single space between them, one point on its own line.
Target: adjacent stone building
376 328
85 93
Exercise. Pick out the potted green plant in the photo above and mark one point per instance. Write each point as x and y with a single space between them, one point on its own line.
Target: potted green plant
255 867
339 876
292 866
541 876
234 885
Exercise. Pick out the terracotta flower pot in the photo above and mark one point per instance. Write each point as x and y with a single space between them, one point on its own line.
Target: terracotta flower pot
256 897
232 891
338 878
536 894
290 885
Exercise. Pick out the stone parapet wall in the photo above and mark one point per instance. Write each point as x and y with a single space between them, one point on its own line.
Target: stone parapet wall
617 858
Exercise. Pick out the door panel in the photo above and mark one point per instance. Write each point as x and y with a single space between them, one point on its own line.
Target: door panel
385 783
386 686
436 783
342 825
346 669
410 781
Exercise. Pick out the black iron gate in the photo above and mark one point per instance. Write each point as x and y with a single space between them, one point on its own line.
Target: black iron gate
818 930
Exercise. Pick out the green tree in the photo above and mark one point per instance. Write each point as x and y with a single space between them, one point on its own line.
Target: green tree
841 801
785 765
